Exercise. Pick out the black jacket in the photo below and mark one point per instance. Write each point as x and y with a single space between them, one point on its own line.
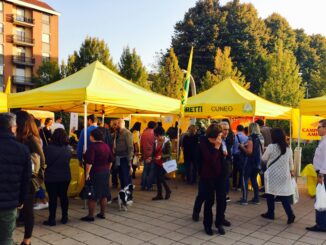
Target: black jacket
57 163
15 171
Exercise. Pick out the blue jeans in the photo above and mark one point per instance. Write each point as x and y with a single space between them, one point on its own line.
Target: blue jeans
7 225
285 202
147 177
124 172
253 178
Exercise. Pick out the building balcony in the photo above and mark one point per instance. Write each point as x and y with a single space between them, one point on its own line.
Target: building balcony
23 60
20 80
22 20
22 40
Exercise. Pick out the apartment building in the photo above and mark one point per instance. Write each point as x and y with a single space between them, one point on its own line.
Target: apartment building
28 36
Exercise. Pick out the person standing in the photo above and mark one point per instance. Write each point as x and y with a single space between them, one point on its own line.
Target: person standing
114 170
15 176
92 124
252 167
57 123
57 175
279 158
135 130
162 153
98 164
189 145
238 157
320 167
227 143
45 132
212 179
124 150
147 141
28 134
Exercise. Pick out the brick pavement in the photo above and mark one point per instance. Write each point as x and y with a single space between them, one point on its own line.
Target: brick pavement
169 222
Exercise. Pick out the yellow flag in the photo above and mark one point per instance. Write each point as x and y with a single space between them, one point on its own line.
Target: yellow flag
8 86
184 96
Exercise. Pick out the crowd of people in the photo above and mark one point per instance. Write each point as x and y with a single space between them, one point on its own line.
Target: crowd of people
32 156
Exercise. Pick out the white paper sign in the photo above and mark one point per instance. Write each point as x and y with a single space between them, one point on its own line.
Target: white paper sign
170 166
168 119
73 121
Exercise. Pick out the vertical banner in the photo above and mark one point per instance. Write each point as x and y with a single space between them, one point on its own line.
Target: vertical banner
73 121
185 91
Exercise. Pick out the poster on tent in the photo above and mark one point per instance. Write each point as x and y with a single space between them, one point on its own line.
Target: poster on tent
73 121
309 125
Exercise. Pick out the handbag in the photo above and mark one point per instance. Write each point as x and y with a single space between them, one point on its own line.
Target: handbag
87 193
320 204
295 196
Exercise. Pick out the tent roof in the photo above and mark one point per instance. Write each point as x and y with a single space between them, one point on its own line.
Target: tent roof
229 99
314 106
3 102
101 88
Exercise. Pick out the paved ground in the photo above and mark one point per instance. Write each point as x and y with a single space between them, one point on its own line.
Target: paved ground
169 222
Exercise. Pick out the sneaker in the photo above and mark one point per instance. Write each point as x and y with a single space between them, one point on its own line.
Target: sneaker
243 202
254 201
226 223
291 219
209 231
100 216
195 216
87 219
40 206
267 216
228 199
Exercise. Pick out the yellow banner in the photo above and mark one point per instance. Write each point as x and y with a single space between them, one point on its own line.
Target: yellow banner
308 129
213 110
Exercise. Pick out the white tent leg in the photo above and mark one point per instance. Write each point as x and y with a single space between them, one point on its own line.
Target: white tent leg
103 120
85 140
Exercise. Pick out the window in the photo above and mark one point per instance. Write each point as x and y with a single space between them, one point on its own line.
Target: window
45 38
20 14
20 32
46 19
46 28
20 72
45 57
21 51
45 48
1 27
1 49
1 6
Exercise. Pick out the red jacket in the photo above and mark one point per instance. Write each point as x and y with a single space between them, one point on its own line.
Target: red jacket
147 141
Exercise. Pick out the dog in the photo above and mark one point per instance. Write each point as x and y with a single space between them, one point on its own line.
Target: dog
125 197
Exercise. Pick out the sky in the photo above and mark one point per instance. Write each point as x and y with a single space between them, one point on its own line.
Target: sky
148 25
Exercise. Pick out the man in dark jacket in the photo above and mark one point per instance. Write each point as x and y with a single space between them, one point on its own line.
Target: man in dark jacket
15 175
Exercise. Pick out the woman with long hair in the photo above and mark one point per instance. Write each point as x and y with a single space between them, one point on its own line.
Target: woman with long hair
135 130
57 175
28 134
45 132
161 154
98 164
252 164
278 156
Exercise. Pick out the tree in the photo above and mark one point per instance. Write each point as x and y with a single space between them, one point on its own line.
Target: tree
279 29
169 80
199 28
223 68
91 49
247 35
47 73
132 68
283 84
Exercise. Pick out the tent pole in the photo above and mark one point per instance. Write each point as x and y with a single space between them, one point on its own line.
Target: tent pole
178 138
290 134
85 139
103 120
85 127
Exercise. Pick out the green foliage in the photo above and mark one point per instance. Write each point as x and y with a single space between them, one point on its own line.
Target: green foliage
223 68
48 72
92 49
169 80
308 151
279 29
132 68
283 84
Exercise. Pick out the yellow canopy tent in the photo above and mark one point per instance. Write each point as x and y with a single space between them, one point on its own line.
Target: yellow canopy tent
229 99
102 90
3 102
314 107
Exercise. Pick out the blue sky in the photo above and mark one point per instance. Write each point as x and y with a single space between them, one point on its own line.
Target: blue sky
148 25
